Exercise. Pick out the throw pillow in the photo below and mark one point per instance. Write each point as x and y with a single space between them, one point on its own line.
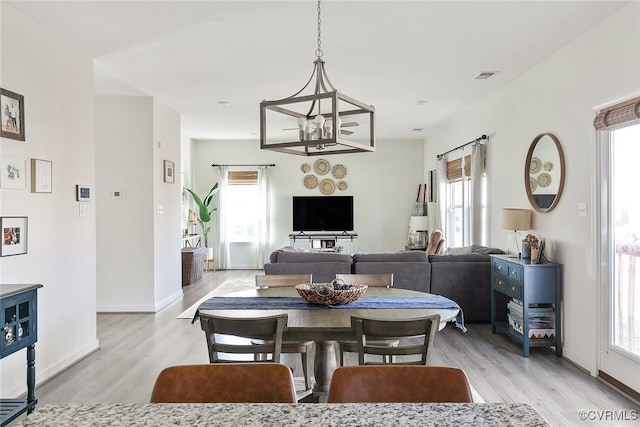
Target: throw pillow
463 250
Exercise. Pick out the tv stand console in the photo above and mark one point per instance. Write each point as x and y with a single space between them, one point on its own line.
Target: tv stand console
340 241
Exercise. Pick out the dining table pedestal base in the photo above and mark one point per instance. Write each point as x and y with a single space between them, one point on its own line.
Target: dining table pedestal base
323 366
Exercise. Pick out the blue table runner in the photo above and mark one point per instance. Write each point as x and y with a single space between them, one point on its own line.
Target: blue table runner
276 303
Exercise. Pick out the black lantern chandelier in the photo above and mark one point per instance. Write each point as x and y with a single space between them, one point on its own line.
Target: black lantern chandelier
320 123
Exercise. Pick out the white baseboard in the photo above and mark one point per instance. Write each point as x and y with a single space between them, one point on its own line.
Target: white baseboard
42 375
162 304
139 308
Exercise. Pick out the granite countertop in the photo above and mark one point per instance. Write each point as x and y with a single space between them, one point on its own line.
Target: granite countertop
302 414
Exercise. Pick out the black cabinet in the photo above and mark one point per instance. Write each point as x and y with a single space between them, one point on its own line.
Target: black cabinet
533 312
19 323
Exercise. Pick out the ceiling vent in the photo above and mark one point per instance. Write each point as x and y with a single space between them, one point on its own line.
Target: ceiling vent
485 75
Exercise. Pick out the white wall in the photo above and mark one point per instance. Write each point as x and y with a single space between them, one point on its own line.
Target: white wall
139 265
558 95
56 81
383 183
167 200
124 145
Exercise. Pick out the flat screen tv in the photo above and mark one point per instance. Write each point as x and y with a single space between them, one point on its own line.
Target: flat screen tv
323 213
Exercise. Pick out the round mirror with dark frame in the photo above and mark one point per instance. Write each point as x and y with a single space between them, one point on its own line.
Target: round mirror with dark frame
544 172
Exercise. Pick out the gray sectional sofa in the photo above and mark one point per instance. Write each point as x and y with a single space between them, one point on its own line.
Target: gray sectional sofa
465 278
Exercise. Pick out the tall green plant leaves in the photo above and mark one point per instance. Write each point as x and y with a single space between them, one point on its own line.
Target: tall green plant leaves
204 214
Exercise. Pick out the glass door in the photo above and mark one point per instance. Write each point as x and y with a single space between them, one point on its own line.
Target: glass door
620 249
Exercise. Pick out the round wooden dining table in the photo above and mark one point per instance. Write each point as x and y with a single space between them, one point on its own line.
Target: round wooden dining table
325 326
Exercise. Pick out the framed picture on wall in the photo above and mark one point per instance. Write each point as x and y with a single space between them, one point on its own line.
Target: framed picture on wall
169 172
41 176
13 173
14 235
12 105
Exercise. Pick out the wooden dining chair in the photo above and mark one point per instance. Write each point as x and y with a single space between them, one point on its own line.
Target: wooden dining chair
228 338
281 280
290 347
399 384
228 383
415 339
373 280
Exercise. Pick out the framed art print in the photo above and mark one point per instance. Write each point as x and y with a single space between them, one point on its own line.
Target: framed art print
169 172
13 173
12 105
14 235
83 193
41 176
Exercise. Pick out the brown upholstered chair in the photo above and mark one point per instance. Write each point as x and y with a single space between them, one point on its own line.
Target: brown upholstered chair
436 243
374 280
387 383
416 338
228 383
290 347
228 338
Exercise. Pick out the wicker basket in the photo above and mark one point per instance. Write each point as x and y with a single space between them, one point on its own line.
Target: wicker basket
313 293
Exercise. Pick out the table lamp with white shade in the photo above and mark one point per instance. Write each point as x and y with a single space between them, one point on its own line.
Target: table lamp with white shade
515 219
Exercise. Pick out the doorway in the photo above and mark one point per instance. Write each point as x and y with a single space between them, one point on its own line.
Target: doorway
620 257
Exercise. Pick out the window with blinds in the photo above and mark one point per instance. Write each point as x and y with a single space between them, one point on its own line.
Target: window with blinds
454 169
243 177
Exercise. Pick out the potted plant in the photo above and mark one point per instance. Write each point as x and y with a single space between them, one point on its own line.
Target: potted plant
204 213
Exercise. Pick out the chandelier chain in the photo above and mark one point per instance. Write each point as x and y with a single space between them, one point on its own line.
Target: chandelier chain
319 52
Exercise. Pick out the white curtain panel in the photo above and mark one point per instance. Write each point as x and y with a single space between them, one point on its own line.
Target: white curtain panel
478 221
264 222
441 211
222 243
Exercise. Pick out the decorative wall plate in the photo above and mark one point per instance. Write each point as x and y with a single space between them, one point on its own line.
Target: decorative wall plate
310 181
327 186
306 167
548 166
321 167
342 185
535 165
544 180
339 171
533 184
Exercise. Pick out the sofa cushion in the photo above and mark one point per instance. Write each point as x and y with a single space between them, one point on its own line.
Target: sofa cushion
274 255
459 258
411 256
479 249
307 257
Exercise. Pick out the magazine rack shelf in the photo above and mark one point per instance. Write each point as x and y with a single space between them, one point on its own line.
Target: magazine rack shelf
533 313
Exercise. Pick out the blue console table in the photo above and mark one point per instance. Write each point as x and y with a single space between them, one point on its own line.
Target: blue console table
19 325
532 285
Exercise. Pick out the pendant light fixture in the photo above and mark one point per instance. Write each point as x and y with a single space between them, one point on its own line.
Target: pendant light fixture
321 122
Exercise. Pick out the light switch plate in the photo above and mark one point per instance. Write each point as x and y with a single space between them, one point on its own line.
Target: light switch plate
582 209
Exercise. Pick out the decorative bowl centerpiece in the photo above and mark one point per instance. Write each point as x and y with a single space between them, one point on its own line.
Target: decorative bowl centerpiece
335 293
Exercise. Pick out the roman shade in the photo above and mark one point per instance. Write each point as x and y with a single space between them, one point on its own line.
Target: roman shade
243 177
454 168
624 113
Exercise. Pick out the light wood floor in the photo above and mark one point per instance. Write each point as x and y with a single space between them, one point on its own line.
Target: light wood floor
136 347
